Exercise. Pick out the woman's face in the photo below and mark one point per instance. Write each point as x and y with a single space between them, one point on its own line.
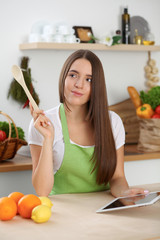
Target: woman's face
77 88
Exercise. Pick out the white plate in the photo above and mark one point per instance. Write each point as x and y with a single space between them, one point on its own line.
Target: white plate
140 24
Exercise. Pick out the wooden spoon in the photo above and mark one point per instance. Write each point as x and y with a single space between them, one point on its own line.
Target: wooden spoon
18 75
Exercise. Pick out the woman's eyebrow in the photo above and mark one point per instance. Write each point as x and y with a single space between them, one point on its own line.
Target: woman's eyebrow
89 75
73 71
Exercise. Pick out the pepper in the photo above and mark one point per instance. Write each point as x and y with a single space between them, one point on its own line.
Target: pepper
156 115
145 111
157 109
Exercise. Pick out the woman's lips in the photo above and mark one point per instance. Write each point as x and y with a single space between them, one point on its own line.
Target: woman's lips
77 93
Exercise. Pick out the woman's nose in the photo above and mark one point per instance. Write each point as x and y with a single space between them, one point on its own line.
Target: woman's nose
79 83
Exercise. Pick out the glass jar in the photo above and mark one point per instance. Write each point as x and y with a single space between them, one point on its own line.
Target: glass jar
149 39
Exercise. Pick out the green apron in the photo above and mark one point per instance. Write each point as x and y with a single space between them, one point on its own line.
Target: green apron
74 175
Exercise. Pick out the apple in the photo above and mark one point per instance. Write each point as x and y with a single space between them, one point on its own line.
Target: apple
3 135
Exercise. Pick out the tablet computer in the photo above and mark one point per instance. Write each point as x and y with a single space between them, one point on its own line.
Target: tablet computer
130 202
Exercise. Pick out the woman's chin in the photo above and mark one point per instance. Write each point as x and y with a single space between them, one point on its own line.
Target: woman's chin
76 102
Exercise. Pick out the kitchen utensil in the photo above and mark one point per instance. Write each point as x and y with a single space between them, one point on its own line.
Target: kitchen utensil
18 75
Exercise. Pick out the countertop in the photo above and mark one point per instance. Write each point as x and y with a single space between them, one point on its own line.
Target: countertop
74 217
21 163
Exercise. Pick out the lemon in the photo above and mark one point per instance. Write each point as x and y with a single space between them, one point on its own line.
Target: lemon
41 214
46 201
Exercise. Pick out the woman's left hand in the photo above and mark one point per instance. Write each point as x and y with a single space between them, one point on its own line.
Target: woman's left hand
134 191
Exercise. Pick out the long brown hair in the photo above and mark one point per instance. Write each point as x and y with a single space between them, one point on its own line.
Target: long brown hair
104 156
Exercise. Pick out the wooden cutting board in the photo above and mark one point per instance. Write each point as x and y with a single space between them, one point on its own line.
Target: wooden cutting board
127 112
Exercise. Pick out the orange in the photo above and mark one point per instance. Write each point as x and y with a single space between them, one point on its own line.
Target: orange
16 196
8 208
26 205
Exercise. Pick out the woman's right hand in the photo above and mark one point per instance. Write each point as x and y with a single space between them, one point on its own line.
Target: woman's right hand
42 123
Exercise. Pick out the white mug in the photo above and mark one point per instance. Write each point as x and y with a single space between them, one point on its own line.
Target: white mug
35 37
48 38
49 29
58 38
65 30
72 39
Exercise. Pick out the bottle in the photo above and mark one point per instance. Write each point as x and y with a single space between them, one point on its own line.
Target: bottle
125 27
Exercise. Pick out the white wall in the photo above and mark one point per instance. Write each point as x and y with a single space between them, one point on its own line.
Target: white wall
142 172
104 16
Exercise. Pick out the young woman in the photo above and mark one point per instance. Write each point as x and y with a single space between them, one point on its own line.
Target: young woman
78 146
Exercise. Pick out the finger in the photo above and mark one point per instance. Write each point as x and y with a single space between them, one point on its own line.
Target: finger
31 108
135 191
30 105
38 111
42 120
141 191
36 114
45 119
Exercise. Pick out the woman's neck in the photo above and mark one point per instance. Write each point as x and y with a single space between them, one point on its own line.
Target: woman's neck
76 113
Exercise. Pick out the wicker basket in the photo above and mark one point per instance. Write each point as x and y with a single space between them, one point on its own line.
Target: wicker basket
10 146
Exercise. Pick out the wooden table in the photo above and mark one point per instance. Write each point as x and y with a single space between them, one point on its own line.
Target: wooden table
74 217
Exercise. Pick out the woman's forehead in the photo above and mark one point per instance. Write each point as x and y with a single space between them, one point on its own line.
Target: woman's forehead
81 65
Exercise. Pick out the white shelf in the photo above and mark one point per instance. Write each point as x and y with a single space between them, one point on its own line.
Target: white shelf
90 46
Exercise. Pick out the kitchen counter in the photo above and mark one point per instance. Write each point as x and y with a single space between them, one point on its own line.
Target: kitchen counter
74 217
20 162
132 154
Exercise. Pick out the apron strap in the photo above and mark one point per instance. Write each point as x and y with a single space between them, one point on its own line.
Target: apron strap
64 124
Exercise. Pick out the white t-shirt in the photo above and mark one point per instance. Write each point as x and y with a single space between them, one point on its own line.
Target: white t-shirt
34 137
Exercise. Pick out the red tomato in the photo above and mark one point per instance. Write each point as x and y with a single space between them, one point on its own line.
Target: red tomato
3 135
157 110
156 115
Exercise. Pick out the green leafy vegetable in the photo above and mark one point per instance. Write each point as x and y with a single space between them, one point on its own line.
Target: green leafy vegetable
4 126
116 39
152 97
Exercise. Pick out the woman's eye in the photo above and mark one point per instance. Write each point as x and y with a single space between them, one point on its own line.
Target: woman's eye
73 75
89 79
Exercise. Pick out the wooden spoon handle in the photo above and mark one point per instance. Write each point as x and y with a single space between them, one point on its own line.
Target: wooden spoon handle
34 104
18 75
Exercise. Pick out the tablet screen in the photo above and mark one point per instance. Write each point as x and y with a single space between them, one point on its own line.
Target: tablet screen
133 201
